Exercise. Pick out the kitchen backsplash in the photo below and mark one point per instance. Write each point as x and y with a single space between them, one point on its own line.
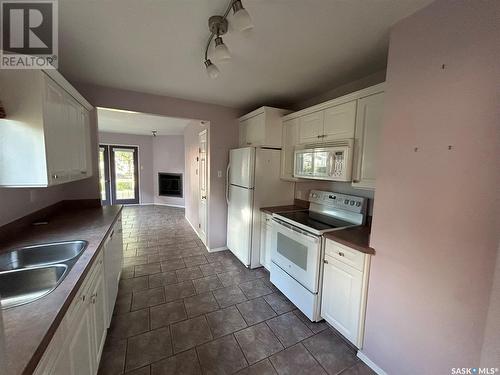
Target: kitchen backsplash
302 190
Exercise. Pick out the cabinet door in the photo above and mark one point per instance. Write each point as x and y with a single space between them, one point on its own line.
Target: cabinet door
366 142
339 121
81 352
269 233
98 312
75 137
290 139
311 128
341 298
56 133
254 131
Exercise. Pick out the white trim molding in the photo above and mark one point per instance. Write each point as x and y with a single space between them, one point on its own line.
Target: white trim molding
216 249
370 363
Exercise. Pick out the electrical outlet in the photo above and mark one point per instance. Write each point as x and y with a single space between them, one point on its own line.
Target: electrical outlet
219 174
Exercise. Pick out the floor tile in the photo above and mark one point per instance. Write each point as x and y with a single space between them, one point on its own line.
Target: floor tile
207 284
147 298
358 369
134 261
141 371
258 342
221 356
261 368
200 304
255 288
177 291
279 303
147 269
229 296
315 327
133 285
189 273
289 329
129 324
331 351
255 311
162 279
189 333
167 313
113 358
185 363
194 260
123 304
296 360
172 265
223 322
147 348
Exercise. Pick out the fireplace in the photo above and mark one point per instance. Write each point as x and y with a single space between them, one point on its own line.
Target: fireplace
170 184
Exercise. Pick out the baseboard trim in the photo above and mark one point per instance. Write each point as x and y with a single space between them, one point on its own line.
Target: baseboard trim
371 364
216 249
162 204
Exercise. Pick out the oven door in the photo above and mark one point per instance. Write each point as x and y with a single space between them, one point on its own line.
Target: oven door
296 252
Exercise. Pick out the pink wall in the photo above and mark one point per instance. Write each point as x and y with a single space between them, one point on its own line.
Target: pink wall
145 143
223 136
436 214
18 202
168 156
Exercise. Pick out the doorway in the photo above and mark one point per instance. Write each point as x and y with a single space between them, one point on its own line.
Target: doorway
119 174
203 188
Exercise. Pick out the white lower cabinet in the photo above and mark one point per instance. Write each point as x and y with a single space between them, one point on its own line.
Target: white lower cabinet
77 345
265 241
345 284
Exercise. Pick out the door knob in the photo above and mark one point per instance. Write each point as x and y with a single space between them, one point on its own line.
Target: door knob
203 197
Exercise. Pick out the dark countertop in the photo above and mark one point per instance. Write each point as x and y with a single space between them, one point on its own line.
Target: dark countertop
276 209
357 238
29 328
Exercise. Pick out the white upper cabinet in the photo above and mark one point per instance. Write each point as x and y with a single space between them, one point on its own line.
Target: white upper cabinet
369 121
45 138
290 138
262 127
339 122
311 128
332 124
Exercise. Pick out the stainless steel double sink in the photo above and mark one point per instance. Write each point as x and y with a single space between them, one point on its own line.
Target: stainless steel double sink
32 272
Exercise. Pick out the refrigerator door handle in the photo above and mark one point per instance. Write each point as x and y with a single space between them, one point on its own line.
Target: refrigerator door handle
227 183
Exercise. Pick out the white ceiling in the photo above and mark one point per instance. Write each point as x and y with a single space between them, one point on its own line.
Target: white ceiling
117 121
298 48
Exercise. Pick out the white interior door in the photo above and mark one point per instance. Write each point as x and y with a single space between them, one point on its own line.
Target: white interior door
202 168
241 167
239 222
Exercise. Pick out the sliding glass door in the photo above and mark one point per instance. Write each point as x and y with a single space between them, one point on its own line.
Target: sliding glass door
120 179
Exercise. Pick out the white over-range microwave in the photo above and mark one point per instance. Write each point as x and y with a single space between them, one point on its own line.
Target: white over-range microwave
332 162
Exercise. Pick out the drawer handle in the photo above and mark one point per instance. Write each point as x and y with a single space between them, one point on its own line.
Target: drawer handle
325 261
94 296
83 298
341 254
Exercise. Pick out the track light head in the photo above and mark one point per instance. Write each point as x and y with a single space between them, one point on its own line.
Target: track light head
212 70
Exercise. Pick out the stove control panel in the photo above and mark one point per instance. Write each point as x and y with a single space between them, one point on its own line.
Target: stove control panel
337 200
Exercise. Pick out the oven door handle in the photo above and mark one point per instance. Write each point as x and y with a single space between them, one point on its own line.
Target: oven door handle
296 230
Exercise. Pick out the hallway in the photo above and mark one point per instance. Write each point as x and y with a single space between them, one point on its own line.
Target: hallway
182 310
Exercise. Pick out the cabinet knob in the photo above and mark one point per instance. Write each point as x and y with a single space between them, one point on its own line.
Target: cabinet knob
341 253
325 261
55 176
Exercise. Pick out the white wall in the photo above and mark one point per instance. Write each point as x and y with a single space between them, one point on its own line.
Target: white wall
168 157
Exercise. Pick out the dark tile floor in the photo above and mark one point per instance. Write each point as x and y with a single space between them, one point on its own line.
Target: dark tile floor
182 310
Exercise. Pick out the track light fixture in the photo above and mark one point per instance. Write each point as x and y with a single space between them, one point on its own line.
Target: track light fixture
218 26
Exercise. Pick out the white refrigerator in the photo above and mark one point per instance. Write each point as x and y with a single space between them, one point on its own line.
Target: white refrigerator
253 181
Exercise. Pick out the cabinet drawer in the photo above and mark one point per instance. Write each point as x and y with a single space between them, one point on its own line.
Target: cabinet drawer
345 254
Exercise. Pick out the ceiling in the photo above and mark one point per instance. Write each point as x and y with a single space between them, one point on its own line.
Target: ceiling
118 121
298 48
